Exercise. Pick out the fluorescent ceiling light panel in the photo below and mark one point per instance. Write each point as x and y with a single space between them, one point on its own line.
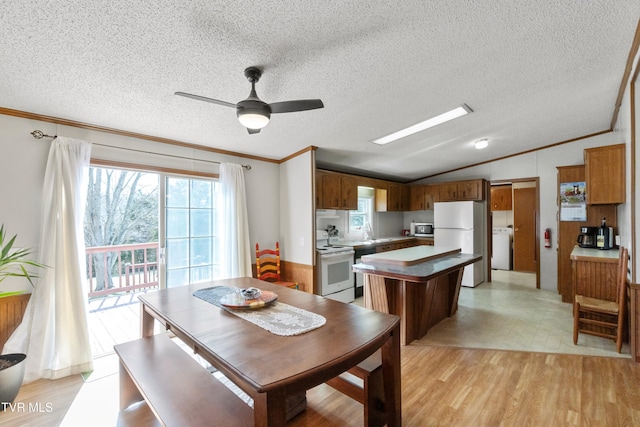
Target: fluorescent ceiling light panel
434 121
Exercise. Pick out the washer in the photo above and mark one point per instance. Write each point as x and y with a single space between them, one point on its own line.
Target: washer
501 258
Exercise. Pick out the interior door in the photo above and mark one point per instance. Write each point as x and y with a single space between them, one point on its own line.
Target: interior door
524 230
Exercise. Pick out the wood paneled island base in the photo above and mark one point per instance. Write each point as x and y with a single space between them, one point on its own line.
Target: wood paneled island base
422 294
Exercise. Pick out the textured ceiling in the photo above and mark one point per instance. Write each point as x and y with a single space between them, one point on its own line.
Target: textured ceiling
535 73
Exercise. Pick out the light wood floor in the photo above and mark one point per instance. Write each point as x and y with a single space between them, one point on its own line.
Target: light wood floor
442 385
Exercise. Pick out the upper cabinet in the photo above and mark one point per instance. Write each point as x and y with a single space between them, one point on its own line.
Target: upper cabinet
605 174
398 197
501 198
462 190
422 197
395 197
336 191
319 187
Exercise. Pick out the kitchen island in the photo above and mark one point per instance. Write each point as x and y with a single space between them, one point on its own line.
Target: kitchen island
420 284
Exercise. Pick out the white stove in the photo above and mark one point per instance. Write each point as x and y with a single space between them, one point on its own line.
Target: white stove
324 246
334 275
333 249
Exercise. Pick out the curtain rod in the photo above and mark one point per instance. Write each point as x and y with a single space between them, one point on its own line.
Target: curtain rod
37 134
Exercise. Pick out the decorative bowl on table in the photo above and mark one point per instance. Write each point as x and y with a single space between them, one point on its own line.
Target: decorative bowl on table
250 298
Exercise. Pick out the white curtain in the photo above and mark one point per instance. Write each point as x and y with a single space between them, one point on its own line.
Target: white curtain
54 333
234 223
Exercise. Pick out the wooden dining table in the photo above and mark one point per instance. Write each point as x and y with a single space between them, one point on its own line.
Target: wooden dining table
270 367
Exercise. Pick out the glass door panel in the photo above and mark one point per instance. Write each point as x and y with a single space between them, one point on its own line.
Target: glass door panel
191 242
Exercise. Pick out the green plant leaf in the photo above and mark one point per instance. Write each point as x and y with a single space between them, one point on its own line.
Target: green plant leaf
14 264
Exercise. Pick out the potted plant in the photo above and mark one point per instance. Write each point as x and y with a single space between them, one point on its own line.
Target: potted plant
13 263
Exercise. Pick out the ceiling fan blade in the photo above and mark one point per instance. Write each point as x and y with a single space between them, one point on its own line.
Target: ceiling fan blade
205 99
299 105
252 131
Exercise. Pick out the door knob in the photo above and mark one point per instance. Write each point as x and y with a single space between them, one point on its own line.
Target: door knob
516 229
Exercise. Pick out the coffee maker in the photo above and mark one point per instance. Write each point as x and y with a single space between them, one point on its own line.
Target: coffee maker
587 237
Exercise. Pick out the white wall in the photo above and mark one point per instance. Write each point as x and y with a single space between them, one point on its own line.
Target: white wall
623 130
23 160
22 164
540 164
297 201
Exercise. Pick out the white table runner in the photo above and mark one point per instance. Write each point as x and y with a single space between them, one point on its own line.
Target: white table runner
278 318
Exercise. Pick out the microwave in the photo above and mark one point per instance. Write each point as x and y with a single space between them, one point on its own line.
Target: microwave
424 229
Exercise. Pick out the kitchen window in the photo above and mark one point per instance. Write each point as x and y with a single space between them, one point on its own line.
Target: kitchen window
362 216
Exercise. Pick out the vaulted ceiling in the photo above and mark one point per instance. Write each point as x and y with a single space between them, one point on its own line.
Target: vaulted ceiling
534 73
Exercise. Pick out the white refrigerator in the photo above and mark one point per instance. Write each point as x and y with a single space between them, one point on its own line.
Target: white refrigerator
462 225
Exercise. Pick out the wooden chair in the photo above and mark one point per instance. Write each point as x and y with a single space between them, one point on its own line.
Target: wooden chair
268 266
604 318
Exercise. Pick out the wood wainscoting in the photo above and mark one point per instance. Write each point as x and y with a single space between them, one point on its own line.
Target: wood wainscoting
293 272
301 273
634 324
11 311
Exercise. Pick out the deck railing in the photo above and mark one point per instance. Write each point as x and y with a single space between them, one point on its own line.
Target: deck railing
121 268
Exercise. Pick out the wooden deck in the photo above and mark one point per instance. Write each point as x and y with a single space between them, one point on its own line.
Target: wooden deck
113 320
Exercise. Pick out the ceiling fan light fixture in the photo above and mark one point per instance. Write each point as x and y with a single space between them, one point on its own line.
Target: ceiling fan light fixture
482 143
429 123
253 113
253 120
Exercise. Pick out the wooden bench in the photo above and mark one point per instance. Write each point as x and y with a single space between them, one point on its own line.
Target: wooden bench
176 388
365 384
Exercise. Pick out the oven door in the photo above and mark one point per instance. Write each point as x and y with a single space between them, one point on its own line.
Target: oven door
335 272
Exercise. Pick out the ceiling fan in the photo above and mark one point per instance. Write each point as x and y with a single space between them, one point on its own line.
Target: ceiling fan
253 113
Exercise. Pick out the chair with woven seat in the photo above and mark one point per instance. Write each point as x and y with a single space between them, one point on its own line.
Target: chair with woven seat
268 266
603 318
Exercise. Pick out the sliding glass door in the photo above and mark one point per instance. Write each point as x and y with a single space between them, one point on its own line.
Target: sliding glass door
192 249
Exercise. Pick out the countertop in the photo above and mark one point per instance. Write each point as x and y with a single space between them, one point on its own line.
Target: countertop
356 244
594 255
420 272
410 256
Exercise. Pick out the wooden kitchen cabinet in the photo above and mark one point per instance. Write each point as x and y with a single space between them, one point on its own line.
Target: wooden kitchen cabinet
605 174
398 197
392 246
426 241
349 188
501 198
422 197
337 191
431 196
448 192
462 190
319 181
471 190
395 197
416 198
568 230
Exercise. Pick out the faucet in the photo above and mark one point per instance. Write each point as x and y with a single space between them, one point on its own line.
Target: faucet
368 232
